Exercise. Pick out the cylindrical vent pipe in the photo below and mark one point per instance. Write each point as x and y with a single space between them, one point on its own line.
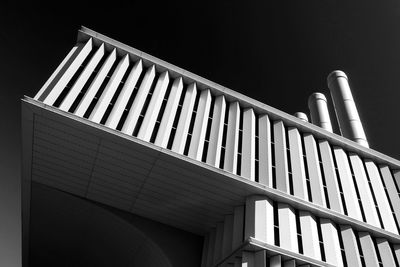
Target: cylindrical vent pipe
345 108
318 106
302 116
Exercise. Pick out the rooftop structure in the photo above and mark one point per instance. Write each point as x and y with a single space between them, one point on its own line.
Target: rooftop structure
116 126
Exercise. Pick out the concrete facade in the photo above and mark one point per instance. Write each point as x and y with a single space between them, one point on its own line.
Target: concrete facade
121 128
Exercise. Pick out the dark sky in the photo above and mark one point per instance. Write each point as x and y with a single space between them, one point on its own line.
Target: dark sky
277 52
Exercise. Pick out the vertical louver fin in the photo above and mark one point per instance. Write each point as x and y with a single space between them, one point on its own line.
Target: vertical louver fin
232 138
109 91
138 103
83 78
184 120
73 63
216 134
125 94
170 111
150 118
94 87
200 125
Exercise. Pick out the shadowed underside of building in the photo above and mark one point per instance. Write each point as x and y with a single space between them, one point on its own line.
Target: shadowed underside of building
131 161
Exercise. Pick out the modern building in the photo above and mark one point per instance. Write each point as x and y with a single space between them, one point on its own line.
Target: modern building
131 161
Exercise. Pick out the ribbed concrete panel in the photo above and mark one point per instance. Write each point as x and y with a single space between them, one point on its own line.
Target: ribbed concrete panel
367 200
392 191
385 252
227 237
248 145
81 81
349 191
238 223
168 117
216 133
184 120
287 227
43 92
232 138
330 238
150 118
275 261
368 249
350 246
200 126
332 186
265 152
309 232
109 91
314 170
137 105
95 85
297 163
259 219
219 234
79 56
281 166
123 98
380 196
211 244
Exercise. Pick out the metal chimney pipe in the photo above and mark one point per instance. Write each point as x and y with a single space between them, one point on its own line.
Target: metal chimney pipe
345 108
302 116
318 106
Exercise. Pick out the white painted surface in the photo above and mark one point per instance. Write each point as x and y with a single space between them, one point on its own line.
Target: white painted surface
168 118
80 54
216 132
182 128
232 138
150 117
82 79
95 85
123 98
200 126
109 91
137 105
264 148
281 166
248 145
